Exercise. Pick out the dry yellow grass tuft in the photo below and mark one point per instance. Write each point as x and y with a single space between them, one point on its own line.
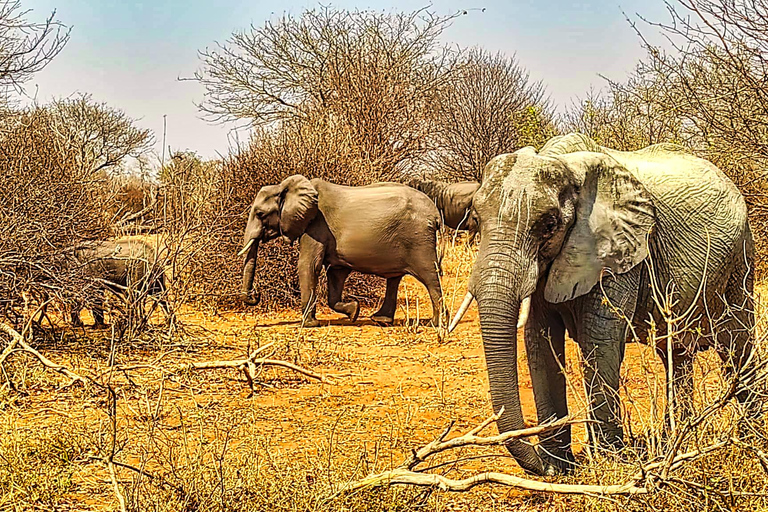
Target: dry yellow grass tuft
200 440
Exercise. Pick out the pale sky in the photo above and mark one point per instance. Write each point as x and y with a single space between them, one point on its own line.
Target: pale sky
130 54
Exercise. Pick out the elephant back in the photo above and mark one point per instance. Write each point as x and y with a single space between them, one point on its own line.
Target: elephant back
120 261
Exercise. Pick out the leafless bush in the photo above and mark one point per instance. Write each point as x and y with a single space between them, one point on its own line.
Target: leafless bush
489 106
372 75
54 194
99 136
26 47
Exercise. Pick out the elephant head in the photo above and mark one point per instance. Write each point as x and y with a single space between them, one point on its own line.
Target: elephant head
555 222
278 210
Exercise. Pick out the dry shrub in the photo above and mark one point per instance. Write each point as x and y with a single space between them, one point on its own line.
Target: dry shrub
55 194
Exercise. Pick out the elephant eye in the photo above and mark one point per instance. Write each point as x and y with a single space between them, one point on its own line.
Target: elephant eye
549 225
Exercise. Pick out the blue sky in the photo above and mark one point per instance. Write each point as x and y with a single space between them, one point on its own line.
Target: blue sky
131 53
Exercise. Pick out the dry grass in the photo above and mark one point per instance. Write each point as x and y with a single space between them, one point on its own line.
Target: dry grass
199 441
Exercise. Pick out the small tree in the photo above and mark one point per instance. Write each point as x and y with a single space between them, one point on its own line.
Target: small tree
490 106
373 75
100 136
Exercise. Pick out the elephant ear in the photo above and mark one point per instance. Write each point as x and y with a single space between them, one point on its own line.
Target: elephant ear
298 205
614 217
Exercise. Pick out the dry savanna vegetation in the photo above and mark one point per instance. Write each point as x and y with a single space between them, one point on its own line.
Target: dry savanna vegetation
187 401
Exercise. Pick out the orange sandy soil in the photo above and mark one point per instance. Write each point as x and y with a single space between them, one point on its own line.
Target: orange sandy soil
394 388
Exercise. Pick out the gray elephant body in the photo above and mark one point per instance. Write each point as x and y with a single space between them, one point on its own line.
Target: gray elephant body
453 200
120 265
584 230
384 229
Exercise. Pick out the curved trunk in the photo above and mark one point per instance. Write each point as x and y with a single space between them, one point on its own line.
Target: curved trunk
501 281
250 296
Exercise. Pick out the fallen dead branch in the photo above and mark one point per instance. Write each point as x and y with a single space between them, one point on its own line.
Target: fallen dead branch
250 365
406 477
407 474
18 340
472 439
646 478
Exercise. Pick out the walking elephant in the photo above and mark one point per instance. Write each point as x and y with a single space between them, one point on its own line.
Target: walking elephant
385 229
126 267
584 232
453 200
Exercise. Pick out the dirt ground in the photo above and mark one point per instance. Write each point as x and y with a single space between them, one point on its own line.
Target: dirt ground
390 389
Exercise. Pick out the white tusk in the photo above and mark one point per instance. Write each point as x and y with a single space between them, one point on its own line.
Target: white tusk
525 308
247 246
461 312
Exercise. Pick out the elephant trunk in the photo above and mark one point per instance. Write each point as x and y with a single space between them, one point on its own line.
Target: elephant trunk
501 284
248 292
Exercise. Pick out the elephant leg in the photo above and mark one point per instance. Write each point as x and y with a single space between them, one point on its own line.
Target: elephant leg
545 350
602 336
429 277
159 293
74 314
98 313
386 313
336 278
165 307
311 253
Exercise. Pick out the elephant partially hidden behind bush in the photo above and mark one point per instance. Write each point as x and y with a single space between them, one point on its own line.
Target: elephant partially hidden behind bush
384 229
453 201
127 267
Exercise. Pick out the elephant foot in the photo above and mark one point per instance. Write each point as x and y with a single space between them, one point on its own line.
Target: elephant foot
556 462
311 322
351 309
383 319
354 311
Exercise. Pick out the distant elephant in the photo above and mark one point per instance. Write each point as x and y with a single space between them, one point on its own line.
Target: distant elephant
119 265
582 230
385 229
453 200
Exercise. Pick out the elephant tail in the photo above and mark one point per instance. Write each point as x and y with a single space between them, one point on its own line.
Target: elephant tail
442 239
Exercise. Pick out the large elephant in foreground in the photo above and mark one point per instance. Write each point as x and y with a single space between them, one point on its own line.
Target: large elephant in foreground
123 266
453 200
385 229
584 231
